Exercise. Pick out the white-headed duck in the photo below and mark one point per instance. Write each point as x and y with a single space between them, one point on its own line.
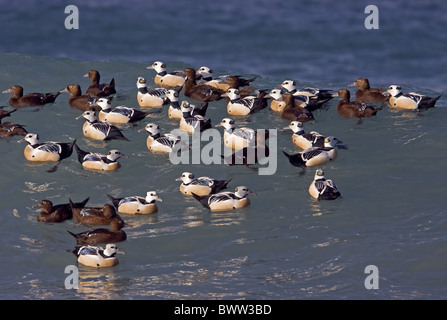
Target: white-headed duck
96 256
165 79
99 130
137 204
46 151
322 188
99 161
409 101
119 114
202 186
239 106
150 98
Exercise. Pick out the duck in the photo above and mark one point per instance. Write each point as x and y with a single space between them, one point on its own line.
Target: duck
8 128
354 109
165 79
367 94
305 140
224 201
52 213
46 151
99 130
239 138
31 99
202 186
300 101
96 215
96 256
309 97
175 111
6 113
409 101
247 156
191 122
292 113
315 155
137 204
118 115
95 88
99 161
102 235
322 188
78 100
238 106
199 92
150 98
158 143
277 104
313 93
223 82
11 129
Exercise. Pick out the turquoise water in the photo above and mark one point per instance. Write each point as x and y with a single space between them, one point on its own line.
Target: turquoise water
284 245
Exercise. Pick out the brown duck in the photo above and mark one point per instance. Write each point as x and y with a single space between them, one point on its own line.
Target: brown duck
367 94
102 235
10 129
30 99
78 100
199 92
292 113
354 109
57 213
99 89
94 215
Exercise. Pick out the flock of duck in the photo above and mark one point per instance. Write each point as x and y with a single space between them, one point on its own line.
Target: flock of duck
102 123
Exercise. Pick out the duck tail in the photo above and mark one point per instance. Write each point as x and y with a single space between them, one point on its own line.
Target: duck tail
202 199
73 234
83 203
70 147
113 200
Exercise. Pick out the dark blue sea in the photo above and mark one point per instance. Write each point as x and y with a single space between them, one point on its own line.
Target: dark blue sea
285 245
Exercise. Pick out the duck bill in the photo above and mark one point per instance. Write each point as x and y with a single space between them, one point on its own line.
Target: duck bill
80 117
7 90
63 90
252 193
352 84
